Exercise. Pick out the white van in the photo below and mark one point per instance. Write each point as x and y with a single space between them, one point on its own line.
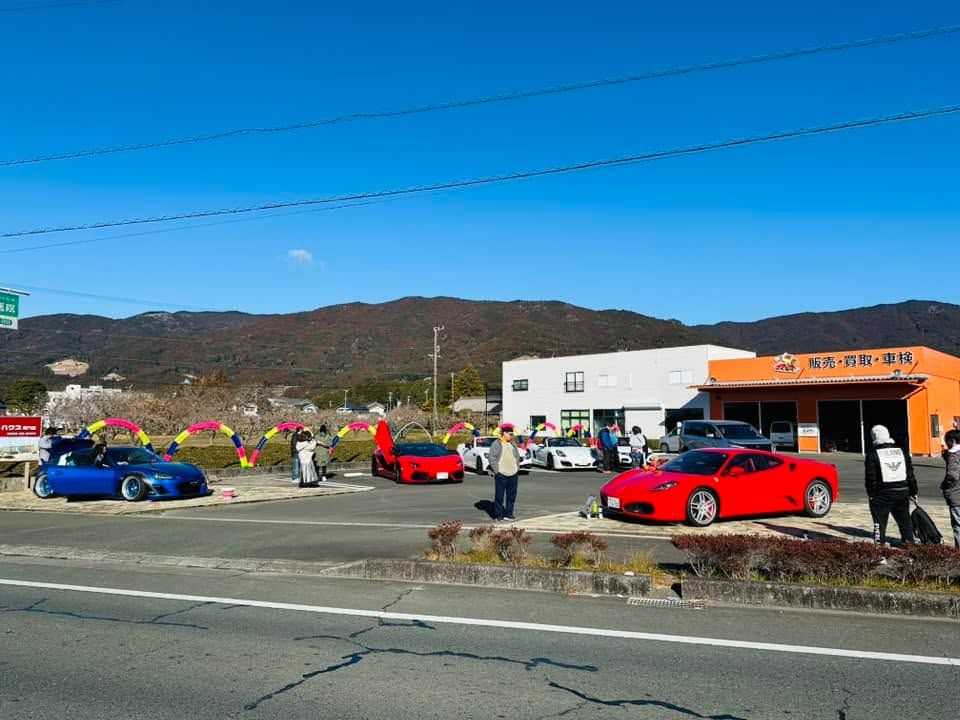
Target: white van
783 434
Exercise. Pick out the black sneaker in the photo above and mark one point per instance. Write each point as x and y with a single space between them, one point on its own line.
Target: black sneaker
509 517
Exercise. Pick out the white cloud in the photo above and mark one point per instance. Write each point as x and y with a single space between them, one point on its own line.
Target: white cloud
302 257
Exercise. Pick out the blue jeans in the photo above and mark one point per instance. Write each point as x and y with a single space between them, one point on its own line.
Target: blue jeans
955 524
295 468
505 495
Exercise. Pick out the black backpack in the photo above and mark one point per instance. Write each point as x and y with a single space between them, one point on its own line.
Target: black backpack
924 527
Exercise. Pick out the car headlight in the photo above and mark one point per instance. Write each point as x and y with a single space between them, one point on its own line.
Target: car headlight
162 476
665 486
561 453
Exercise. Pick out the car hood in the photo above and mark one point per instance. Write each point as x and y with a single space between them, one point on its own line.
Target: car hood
640 480
573 451
184 471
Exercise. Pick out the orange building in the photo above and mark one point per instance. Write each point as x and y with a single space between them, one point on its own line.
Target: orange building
834 398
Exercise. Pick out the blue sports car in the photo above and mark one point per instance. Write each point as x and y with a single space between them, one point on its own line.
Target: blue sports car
132 473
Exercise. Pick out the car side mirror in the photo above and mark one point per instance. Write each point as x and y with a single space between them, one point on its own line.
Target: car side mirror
736 471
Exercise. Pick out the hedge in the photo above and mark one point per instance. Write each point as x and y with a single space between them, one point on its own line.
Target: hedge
756 557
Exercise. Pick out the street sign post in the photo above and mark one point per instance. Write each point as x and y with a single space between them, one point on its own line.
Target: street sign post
9 310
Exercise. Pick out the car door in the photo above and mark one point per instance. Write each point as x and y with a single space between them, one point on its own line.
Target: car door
741 486
80 476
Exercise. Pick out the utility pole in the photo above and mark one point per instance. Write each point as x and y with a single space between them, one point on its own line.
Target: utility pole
452 390
390 402
345 399
436 354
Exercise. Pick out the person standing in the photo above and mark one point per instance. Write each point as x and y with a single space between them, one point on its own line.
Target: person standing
504 458
295 457
306 446
608 446
323 442
638 448
890 483
46 444
951 482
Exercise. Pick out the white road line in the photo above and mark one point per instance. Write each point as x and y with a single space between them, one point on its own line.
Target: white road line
502 624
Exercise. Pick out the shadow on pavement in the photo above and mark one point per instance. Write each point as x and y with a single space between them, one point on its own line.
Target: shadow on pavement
486 506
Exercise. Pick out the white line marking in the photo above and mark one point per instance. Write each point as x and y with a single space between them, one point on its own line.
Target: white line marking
503 624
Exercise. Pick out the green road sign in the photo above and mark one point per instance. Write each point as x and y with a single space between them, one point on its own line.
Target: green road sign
9 310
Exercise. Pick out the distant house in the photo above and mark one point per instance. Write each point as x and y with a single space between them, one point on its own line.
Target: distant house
374 408
302 405
250 410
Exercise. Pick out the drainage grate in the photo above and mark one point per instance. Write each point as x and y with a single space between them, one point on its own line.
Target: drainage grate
667 602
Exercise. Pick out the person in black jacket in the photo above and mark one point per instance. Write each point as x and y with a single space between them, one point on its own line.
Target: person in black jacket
890 483
950 487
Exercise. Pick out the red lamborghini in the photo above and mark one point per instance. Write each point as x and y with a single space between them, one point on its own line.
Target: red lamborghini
415 462
703 485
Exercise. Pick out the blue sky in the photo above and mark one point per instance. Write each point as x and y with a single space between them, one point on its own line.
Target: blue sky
824 223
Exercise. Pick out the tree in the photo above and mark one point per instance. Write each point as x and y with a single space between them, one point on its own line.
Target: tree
467 383
26 396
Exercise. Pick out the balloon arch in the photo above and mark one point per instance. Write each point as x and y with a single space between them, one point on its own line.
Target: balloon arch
245 462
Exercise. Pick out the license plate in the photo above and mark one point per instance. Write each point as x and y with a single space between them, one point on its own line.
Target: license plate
443 476
613 503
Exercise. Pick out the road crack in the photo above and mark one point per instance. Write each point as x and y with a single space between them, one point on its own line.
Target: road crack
665 704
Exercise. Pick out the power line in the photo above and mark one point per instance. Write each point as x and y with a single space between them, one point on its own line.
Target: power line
187 227
91 296
504 97
490 180
22 8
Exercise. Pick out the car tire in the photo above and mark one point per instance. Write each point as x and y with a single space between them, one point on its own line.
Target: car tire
684 449
133 488
817 499
397 473
479 467
42 488
550 465
373 467
703 507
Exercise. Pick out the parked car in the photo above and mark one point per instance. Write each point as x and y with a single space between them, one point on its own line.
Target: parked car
670 442
414 462
475 454
132 473
623 452
564 453
700 486
783 434
697 434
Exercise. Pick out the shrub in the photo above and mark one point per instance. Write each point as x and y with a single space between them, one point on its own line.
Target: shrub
823 560
511 544
443 539
573 546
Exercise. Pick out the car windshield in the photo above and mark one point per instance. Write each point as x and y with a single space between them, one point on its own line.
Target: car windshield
696 462
563 442
132 456
741 431
422 450
485 441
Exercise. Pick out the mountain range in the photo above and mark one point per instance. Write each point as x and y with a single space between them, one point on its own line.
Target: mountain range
339 345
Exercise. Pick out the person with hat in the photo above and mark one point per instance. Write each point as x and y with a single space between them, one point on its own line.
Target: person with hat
504 458
890 483
46 443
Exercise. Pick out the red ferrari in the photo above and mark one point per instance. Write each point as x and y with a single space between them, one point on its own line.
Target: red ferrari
415 462
700 486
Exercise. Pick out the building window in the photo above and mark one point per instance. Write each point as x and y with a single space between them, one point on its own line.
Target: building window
574 382
681 377
602 418
606 381
521 385
935 426
536 421
572 418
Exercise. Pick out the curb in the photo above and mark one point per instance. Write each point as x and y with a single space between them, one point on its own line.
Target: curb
513 577
942 605
577 582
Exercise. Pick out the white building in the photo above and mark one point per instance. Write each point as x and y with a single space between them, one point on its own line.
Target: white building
648 388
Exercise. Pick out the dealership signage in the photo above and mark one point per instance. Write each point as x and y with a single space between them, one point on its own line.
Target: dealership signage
20 438
9 310
792 364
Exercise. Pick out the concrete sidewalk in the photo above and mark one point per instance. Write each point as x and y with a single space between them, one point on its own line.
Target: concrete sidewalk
850 521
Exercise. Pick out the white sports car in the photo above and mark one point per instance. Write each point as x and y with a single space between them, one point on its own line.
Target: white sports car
563 453
475 452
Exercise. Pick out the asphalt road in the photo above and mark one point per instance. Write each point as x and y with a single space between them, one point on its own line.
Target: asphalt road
210 654
390 521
